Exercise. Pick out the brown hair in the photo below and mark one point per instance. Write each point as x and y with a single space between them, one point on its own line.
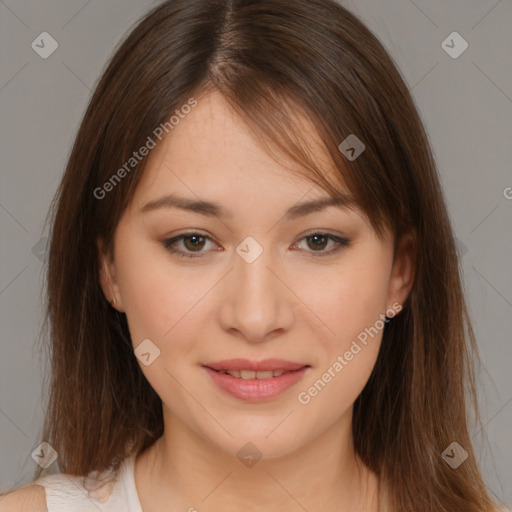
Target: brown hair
271 59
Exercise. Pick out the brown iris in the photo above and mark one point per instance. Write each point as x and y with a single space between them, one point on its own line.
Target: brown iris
197 242
320 241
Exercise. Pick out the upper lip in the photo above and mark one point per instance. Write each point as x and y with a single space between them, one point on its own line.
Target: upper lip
248 364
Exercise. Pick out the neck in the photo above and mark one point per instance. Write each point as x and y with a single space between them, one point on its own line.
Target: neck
182 471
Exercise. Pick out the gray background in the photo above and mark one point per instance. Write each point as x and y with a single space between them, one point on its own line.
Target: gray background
466 105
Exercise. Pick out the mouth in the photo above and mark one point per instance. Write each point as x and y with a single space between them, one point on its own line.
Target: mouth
255 381
251 374
263 365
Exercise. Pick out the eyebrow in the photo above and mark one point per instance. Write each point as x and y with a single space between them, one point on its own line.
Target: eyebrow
210 209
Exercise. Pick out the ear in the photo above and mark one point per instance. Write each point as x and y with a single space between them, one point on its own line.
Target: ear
107 277
403 271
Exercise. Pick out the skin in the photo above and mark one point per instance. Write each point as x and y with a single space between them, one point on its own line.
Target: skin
290 303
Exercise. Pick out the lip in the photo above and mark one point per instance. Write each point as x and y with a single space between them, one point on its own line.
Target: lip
255 390
257 366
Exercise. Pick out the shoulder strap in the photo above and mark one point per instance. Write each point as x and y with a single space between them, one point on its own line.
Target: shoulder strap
65 493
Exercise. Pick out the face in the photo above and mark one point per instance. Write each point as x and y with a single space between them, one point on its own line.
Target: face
249 279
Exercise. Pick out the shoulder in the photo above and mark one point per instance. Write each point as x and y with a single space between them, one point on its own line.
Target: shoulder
61 491
31 498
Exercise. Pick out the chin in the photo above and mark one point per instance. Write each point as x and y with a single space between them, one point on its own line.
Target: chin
267 439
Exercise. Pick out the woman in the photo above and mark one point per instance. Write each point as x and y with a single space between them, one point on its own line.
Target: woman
253 287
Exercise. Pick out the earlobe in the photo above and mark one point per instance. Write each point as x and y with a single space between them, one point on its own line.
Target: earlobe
107 277
403 271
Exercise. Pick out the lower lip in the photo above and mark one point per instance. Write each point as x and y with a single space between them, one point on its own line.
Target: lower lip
255 390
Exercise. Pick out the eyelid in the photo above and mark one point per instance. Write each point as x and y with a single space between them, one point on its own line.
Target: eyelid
341 242
189 255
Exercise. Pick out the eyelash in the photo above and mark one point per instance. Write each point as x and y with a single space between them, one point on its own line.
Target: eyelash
341 243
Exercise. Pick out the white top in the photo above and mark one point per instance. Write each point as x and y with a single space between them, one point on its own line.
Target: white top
103 492
96 492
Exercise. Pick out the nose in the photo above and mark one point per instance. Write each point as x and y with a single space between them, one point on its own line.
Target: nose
256 303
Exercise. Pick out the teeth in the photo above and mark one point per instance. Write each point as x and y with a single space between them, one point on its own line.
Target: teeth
250 374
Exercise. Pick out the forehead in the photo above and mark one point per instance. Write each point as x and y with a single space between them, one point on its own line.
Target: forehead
212 149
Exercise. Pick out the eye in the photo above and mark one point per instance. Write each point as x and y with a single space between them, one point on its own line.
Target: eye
192 242
318 241
195 242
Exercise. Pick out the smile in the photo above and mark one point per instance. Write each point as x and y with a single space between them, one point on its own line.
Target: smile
255 385
251 374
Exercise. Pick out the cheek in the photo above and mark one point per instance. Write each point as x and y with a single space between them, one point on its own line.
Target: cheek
349 300
333 389
145 304
352 307
161 304
155 295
